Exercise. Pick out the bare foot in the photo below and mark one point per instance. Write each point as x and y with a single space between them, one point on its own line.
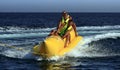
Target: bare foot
69 42
65 45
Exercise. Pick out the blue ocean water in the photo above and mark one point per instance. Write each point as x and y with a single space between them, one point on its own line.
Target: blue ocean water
99 50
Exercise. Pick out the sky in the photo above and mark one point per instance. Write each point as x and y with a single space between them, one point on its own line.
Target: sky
59 5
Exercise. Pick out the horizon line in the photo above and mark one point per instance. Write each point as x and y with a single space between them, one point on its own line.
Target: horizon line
59 12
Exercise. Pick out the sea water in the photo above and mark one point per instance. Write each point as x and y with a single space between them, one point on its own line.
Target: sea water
99 50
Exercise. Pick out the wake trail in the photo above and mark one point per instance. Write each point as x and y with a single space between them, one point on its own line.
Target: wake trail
85 50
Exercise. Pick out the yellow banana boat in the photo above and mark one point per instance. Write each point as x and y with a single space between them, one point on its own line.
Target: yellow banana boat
54 46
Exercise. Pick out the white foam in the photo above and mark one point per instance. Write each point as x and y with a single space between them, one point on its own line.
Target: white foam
15 53
101 36
98 27
23 29
21 54
23 35
54 58
105 31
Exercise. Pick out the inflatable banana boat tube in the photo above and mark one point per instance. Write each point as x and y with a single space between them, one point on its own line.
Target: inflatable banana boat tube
54 46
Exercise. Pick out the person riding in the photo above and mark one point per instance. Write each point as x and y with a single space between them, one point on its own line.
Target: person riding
64 27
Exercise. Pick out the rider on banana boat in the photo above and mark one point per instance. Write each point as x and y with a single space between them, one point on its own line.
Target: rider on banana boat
64 28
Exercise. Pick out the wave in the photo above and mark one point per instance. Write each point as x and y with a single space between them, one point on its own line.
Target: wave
98 27
23 29
23 35
86 50
21 54
43 34
13 28
101 36
11 32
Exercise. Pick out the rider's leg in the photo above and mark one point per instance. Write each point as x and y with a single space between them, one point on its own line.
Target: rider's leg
67 36
67 40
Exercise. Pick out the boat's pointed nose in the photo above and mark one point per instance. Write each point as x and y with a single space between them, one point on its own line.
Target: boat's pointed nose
53 45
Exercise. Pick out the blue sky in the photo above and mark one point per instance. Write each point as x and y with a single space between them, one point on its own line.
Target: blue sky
59 5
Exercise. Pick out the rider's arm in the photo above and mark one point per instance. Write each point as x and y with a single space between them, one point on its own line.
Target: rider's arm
59 26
